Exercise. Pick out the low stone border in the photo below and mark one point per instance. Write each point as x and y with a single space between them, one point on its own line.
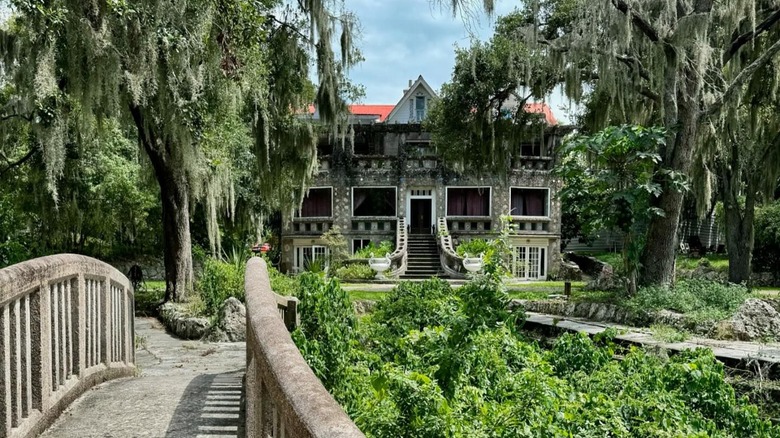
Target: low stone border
176 319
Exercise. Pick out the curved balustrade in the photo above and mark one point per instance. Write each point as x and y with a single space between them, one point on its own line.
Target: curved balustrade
451 262
66 324
399 257
283 396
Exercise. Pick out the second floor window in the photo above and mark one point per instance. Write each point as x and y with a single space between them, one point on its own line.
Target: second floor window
530 202
419 108
317 203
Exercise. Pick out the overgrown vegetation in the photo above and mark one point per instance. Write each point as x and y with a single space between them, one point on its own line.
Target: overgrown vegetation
220 280
355 271
433 362
473 247
701 300
375 250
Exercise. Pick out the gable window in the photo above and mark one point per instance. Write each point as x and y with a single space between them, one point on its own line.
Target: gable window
419 108
530 202
374 201
317 203
468 201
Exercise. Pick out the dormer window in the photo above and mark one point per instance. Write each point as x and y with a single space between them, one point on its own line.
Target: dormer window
419 106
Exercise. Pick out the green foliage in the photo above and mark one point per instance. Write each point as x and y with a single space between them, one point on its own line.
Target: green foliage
355 271
337 247
610 182
702 300
473 247
221 280
665 333
430 362
283 284
373 250
766 252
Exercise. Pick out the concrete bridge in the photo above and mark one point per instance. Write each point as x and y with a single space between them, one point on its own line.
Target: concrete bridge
75 362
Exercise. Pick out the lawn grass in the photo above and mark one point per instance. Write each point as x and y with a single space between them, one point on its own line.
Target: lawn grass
718 262
365 295
148 296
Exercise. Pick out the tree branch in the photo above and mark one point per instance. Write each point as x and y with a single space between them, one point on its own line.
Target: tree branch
638 20
742 78
5 117
18 162
750 35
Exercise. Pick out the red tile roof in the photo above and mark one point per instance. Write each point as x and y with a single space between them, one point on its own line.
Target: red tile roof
382 111
542 108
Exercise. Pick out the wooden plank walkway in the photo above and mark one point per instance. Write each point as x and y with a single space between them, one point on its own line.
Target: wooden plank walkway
729 352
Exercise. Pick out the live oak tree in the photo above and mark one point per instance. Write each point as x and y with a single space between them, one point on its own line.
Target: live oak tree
178 73
673 63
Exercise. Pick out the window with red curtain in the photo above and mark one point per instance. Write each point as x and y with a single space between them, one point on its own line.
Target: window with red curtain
317 203
468 201
529 202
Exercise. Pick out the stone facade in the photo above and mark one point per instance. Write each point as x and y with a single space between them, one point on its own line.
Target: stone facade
397 159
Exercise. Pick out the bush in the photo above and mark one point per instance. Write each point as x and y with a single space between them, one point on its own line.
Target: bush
473 247
766 251
702 300
355 271
385 247
219 281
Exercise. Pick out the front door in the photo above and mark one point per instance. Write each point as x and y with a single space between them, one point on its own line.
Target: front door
420 216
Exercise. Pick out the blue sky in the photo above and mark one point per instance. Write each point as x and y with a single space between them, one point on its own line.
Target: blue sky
402 39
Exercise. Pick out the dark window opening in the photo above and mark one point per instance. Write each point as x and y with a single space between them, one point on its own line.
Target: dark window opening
373 201
529 202
532 149
317 203
358 244
468 201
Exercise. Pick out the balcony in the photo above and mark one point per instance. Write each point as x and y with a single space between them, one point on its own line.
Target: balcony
373 225
314 226
469 224
531 224
529 162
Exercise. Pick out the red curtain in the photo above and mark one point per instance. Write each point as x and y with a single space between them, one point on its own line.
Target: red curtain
468 201
317 203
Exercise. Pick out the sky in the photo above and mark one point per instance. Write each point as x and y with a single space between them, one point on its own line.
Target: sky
402 39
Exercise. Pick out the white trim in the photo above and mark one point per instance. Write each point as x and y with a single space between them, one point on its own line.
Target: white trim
419 82
352 199
432 197
298 212
447 200
547 209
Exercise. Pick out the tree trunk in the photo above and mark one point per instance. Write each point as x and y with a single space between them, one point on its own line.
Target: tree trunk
174 196
681 99
739 221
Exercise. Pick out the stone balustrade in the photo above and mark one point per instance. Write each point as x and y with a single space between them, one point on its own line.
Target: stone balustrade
530 162
66 324
398 258
374 225
451 262
469 225
284 399
531 224
311 226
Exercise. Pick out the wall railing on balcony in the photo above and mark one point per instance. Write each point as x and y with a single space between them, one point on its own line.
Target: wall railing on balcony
531 162
451 263
373 225
531 224
314 226
469 225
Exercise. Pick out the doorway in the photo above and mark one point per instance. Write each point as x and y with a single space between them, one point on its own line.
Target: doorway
420 216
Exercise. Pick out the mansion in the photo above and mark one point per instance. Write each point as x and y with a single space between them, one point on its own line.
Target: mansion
393 178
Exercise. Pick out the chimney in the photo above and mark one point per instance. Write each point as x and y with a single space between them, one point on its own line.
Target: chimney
410 83
408 87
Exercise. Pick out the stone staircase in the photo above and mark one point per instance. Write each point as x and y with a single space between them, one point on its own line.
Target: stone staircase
422 257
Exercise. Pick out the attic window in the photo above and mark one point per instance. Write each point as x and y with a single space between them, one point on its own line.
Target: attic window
419 106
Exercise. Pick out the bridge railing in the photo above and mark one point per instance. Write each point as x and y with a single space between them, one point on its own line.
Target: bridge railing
283 396
66 324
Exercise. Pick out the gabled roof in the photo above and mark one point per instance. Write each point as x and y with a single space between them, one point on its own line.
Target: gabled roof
420 82
380 111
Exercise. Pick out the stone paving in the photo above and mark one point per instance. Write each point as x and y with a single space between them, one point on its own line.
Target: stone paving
728 351
183 389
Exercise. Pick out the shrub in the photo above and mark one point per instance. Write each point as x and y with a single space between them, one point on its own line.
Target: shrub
385 247
702 300
220 280
766 251
355 271
473 247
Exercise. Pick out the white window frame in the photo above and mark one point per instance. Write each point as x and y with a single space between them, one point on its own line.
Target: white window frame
352 200
539 272
547 207
447 200
298 213
363 244
416 115
298 263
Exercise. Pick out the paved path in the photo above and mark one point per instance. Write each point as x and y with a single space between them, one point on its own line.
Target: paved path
183 389
728 351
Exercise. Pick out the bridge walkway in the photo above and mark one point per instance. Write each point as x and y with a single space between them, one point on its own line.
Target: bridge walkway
183 389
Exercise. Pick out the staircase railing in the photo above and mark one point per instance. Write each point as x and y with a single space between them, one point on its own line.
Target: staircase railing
399 257
451 262
283 396
66 324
